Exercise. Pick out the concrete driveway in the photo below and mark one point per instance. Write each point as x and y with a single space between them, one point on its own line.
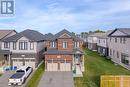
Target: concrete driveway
4 79
57 79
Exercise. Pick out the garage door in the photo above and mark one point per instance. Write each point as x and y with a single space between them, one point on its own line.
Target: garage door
65 67
17 62
30 62
52 67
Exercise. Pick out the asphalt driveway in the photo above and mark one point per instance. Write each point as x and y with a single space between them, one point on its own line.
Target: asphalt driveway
4 79
56 79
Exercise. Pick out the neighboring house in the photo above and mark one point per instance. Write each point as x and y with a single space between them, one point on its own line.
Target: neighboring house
64 53
24 48
4 34
93 40
119 46
102 43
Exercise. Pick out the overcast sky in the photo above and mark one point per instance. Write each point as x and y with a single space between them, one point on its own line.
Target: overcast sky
74 15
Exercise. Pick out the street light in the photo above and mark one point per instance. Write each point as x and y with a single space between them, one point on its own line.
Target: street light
23 60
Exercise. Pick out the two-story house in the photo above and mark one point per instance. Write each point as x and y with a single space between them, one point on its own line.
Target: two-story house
24 48
64 53
119 46
93 40
4 34
102 44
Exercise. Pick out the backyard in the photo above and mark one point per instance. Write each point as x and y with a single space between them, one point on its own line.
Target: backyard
95 66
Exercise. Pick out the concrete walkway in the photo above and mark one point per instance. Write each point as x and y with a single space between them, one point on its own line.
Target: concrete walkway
57 79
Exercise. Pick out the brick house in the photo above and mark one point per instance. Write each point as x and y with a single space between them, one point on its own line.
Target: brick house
64 52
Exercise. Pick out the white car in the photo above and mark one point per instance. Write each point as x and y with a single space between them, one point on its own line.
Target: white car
20 76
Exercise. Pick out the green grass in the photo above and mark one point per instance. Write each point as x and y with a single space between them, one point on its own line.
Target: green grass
33 82
95 66
0 74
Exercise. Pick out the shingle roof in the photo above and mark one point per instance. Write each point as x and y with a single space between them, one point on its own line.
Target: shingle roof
49 36
96 34
4 33
30 34
4 51
123 30
55 51
105 35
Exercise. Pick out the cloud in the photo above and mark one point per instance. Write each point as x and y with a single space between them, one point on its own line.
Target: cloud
84 15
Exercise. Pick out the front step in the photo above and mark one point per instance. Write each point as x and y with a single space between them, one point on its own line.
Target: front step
78 72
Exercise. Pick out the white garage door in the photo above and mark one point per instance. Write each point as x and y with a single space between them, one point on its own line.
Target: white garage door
65 67
17 63
52 67
30 63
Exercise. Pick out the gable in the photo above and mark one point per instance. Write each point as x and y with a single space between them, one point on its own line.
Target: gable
65 35
118 33
23 38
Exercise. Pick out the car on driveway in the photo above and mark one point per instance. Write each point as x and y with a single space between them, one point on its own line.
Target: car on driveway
20 76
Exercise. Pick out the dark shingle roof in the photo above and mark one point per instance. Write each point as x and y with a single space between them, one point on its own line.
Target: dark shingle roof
49 36
30 34
126 31
55 51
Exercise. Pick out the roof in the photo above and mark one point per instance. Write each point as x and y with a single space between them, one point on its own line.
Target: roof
55 51
105 35
4 33
126 31
96 34
4 51
50 36
30 34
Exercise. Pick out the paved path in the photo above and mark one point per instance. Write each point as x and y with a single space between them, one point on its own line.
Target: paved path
56 79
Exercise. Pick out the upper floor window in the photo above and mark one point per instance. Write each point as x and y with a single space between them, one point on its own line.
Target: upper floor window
31 45
65 44
52 44
14 45
6 44
124 40
23 45
120 40
77 44
115 40
99 41
110 39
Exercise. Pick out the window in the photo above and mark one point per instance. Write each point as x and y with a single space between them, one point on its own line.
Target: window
115 40
110 52
65 44
124 59
99 41
14 45
52 44
31 45
6 44
76 44
113 53
110 39
124 40
120 40
117 54
23 45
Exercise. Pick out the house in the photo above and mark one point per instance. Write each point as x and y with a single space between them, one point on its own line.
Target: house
64 53
119 46
4 34
102 43
92 41
24 48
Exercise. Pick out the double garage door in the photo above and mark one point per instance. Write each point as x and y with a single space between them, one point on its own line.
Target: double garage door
28 62
58 66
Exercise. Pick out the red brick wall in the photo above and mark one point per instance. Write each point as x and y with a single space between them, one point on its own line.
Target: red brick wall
55 57
70 44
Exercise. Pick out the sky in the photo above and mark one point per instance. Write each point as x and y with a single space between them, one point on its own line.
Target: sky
51 16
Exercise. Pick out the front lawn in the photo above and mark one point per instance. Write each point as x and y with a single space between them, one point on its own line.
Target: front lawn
95 66
33 82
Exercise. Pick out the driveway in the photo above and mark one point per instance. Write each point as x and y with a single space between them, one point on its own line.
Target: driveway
56 79
4 79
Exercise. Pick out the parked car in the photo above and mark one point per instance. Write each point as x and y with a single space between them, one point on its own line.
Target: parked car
20 76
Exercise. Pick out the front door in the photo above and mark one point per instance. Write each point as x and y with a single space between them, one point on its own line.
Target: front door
77 59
